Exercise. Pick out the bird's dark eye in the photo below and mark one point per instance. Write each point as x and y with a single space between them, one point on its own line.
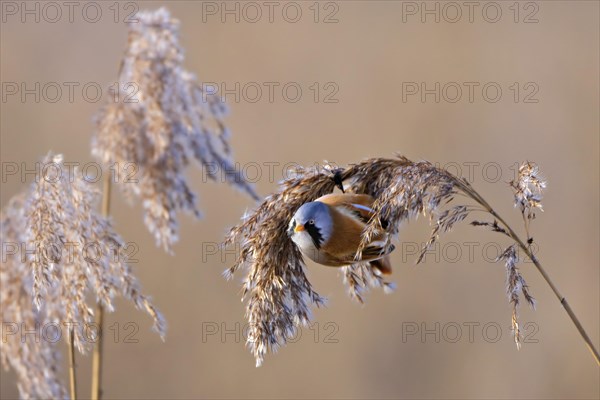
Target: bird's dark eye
311 222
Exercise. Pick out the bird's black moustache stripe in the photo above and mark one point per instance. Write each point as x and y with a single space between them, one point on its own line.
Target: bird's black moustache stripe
315 234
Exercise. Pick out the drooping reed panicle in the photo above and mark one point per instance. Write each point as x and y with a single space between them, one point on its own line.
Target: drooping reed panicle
160 120
35 362
78 252
67 253
277 291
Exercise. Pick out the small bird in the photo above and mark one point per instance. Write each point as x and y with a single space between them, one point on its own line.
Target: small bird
328 231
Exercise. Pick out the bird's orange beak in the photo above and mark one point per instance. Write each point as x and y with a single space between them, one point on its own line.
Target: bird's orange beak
298 228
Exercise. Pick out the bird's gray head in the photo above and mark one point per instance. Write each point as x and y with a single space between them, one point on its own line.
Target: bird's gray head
311 223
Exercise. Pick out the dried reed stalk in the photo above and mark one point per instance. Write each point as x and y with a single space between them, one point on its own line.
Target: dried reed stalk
98 348
72 377
279 295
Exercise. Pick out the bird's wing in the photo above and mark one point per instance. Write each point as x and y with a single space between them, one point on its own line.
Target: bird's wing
375 251
348 230
375 254
350 213
379 258
356 205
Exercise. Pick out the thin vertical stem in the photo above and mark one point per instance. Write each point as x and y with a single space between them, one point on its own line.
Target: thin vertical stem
72 381
106 189
97 356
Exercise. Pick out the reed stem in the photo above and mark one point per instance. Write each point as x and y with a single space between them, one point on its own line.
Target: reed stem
98 348
72 380
563 301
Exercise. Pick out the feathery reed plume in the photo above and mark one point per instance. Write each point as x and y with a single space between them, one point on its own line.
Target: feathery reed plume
276 288
159 121
77 252
515 283
528 187
278 291
36 362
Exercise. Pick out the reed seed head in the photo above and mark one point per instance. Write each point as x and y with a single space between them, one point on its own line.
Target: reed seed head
528 187
158 122
70 253
35 362
277 291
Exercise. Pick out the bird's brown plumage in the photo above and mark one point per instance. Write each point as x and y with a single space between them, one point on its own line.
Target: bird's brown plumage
350 213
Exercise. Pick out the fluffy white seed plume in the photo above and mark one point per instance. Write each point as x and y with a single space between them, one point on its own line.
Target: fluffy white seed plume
528 189
159 121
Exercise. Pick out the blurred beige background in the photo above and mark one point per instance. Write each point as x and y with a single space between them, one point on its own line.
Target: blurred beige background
368 54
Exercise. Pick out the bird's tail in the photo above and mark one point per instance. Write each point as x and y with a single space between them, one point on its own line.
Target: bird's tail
383 265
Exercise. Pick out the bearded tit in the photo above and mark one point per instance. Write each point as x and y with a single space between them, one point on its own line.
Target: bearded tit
328 231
